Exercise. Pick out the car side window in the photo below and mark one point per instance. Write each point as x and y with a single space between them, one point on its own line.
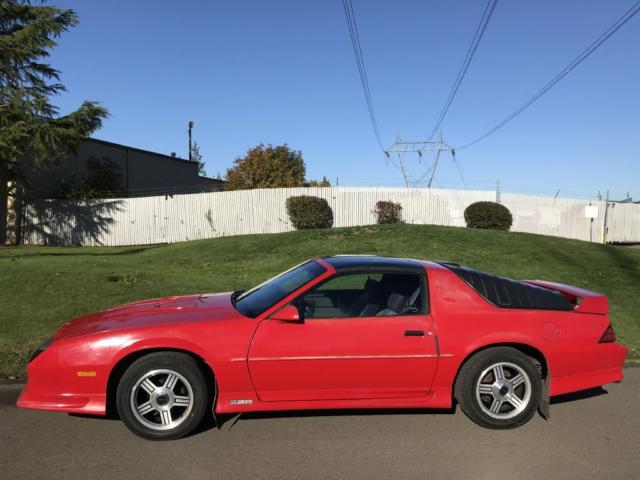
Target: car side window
367 294
354 282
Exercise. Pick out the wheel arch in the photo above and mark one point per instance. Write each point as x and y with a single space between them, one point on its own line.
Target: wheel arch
529 350
116 373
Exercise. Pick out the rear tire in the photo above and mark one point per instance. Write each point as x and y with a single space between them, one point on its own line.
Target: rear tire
499 388
162 396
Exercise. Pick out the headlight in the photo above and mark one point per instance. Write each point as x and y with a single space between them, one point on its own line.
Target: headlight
40 349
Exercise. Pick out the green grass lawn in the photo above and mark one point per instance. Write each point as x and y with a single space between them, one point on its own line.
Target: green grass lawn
42 287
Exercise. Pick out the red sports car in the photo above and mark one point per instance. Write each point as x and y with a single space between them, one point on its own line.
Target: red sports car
334 332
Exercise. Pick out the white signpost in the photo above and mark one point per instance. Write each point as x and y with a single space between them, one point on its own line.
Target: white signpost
591 211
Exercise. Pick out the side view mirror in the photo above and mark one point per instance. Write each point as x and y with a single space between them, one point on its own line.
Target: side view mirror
288 313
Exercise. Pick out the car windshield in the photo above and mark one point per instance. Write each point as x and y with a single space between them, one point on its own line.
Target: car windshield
267 294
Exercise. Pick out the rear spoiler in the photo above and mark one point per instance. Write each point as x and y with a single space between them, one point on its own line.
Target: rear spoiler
585 301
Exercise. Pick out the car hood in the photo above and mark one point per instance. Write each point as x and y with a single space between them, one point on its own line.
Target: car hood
153 312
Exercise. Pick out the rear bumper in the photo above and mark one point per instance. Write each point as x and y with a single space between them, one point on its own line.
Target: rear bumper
606 365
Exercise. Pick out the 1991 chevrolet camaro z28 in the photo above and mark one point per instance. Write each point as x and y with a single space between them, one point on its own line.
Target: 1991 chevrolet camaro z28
334 332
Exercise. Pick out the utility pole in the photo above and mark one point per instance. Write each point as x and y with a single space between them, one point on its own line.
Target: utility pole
190 127
497 191
435 147
590 227
435 166
404 172
605 227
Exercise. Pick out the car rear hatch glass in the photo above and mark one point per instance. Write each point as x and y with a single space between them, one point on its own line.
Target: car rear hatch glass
507 293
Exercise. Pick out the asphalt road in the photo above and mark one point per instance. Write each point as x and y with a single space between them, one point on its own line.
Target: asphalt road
588 436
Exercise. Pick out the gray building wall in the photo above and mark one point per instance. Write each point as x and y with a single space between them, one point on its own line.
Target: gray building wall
142 172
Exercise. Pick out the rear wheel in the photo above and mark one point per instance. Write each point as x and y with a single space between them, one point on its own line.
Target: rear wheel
499 388
162 396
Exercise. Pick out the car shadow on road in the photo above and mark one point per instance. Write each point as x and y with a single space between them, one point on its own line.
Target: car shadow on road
227 421
102 418
581 395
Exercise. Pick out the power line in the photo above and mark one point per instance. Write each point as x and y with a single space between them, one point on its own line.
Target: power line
364 80
629 14
459 168
362 71
482 26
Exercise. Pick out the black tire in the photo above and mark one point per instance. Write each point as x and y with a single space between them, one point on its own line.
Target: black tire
476 377
190 384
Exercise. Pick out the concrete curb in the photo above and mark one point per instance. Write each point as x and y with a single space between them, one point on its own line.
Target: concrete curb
11 381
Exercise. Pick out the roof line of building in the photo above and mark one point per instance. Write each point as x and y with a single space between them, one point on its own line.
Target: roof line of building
135 149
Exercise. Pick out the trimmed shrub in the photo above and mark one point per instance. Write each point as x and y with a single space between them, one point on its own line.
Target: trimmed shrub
309 212
489 215
388 212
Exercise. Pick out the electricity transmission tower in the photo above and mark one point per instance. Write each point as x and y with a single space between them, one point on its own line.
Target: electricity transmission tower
432 147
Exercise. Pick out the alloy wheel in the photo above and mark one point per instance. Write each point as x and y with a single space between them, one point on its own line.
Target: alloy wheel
161 399
503 390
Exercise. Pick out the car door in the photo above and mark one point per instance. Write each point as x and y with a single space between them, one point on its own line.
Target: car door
383 354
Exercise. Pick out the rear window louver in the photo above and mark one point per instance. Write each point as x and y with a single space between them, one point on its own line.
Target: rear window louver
507 293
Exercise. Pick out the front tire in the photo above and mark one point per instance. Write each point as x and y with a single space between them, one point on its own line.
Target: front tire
499 388
162 396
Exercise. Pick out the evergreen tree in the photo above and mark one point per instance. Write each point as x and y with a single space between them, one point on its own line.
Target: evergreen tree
196 156
29 122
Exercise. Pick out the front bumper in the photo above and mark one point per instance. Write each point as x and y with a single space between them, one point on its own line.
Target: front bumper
45 389
60 402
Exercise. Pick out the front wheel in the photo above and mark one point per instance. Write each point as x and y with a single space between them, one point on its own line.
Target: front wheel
499 388
162 396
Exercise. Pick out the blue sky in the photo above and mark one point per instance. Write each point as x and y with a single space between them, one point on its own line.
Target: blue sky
283 71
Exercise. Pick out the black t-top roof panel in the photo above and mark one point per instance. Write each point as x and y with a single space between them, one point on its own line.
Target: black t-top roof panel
368 262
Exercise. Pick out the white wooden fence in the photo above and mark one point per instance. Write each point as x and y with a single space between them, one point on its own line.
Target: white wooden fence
162 219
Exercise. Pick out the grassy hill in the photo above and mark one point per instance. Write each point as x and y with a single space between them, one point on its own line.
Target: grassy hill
42 287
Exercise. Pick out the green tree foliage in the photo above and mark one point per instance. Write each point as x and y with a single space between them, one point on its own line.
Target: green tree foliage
307 212
196 156
318 183
489 215
103 179
267 167
29 123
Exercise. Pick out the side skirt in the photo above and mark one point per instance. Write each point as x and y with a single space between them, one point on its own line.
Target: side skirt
250 403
